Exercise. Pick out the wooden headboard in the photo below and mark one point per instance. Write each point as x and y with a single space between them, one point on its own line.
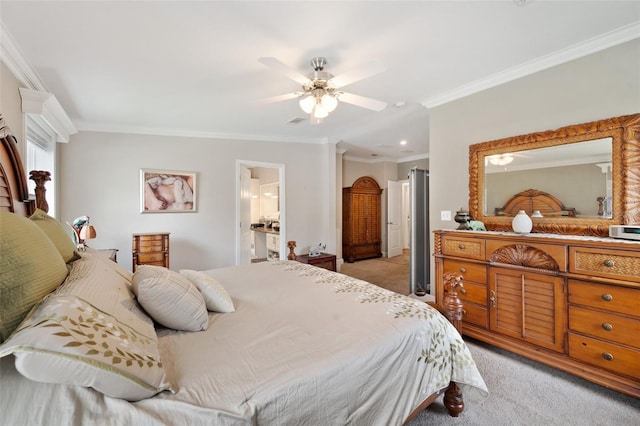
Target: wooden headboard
532 200
14 191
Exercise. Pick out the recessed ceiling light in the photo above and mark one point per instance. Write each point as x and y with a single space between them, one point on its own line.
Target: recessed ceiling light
403 142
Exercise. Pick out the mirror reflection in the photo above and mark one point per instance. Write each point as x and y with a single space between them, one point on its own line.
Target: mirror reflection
579 174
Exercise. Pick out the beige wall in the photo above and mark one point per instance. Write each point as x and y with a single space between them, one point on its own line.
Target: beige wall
11 104
100 178
601 85
404 167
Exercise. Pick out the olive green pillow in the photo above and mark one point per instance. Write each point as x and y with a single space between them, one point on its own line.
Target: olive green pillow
30 268
57 234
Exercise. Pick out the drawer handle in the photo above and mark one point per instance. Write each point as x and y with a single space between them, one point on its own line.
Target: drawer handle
608 263
607 326
463 270
607 356
463 291
461 246
607 297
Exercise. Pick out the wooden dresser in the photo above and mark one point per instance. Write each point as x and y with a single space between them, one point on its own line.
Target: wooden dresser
569 302
361 232
150 249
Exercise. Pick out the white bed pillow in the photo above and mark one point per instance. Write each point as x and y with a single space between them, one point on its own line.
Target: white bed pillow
170 298
215 295
90 332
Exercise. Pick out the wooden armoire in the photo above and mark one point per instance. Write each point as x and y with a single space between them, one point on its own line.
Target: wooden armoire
361 233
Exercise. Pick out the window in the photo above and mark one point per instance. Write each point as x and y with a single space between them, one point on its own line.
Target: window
41 154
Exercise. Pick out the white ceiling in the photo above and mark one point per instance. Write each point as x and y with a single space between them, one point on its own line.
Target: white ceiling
191 67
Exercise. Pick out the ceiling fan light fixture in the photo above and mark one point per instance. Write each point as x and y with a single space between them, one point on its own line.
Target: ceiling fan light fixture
329 102
307 103
500 159
320 111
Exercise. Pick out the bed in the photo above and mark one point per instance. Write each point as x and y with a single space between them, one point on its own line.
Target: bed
280 342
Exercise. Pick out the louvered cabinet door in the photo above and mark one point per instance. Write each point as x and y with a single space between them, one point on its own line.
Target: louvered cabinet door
529 306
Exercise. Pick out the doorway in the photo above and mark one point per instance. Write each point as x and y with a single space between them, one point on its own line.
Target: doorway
260 201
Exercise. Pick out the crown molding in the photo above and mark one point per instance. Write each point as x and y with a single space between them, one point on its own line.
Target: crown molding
47 106
139 130
593 45
36 98
17 64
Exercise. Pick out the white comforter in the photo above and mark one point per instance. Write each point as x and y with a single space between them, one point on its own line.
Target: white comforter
304 346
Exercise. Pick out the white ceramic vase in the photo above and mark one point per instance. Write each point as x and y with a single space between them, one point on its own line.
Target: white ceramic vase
521 223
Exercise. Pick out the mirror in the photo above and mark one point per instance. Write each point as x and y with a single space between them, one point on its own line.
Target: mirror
584 169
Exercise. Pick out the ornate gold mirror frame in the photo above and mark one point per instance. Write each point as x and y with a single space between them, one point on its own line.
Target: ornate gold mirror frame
625 134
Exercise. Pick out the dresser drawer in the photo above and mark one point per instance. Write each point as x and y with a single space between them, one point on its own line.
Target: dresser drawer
475 315
145 246
473 292
469 248
623 300
150 238
150 257
605 355
616 264
469 271
605 326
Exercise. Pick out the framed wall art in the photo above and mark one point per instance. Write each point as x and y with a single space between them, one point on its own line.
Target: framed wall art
167 191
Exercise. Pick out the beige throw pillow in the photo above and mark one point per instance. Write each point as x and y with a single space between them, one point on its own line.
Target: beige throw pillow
215 295
90 332
170 299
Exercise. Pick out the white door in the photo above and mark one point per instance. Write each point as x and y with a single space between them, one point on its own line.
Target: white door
245 216
394 218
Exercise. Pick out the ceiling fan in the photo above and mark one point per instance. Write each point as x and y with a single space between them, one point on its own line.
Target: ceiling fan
321 90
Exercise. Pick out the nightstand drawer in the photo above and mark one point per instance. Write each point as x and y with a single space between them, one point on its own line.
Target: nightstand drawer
605 326
605 355
469 248
623 300
617 264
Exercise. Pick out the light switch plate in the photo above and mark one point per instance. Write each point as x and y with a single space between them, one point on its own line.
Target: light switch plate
445 215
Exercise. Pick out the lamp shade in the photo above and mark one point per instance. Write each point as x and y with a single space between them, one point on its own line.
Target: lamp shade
329 102
320 111
87 232
307 103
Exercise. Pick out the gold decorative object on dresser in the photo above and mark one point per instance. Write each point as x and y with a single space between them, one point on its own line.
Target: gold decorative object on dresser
567 301
150 249
361 232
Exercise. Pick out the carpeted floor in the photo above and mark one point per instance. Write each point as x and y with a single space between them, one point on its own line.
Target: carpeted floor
391 273
522 392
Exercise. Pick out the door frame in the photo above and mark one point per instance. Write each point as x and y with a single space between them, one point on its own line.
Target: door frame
283 216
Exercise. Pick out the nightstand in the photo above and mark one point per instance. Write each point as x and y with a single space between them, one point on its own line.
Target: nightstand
323 260
112 254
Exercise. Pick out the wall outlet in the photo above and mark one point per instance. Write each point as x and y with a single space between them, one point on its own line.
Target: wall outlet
445 215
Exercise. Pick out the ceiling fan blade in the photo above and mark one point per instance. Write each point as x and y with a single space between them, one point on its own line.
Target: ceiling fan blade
358 74
275 64
361 101
279 98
